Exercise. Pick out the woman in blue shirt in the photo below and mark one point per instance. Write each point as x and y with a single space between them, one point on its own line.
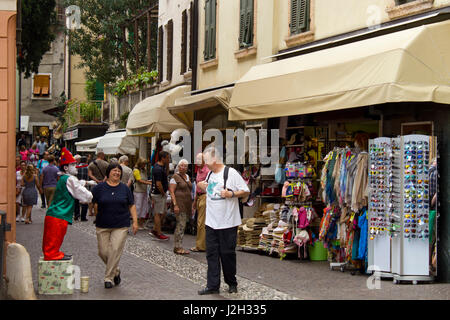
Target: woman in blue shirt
113 204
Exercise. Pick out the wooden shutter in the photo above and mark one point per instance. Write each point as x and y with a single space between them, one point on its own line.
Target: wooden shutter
210 29
37 85
294 16
207 27
212 50
45 83
303 18
160 53
191 36
248 36
246 24
183 41
243 6
169 49
299 16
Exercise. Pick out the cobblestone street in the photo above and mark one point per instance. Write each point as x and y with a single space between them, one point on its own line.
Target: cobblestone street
150 270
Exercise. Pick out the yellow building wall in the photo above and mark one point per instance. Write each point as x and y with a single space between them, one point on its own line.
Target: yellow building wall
329 18
77 79
228 68
334 17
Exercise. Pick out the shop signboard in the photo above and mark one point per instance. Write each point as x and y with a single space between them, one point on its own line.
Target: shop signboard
70 135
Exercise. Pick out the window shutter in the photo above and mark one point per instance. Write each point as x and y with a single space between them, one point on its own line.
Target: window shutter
183 41
294 16
243 6
249 24
303 16
160 53
212 50
299 16
169 49
191 36
207 29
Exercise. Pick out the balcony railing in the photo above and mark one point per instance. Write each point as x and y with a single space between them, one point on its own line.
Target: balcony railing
84 112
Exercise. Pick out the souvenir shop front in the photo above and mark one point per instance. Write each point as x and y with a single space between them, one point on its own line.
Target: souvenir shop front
356 188
361 125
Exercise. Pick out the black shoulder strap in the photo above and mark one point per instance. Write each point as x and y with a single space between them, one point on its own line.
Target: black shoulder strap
207 178
225 176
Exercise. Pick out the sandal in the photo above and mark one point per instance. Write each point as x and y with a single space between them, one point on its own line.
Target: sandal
194 249
180 251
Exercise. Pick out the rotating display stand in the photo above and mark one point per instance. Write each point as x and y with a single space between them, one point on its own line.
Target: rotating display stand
399 208
410 243
380 204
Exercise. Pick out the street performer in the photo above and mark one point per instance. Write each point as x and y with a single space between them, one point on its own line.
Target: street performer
60 212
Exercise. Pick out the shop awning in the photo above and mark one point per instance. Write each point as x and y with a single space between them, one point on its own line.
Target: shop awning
151 115
87 145
409 65
184 107
118 142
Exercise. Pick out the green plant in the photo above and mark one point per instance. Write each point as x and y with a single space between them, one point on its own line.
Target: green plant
124 119
90 89
136 81
70 111
90 112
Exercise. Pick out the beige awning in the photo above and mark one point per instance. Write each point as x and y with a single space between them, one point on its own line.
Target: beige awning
184 107
409 65
151 115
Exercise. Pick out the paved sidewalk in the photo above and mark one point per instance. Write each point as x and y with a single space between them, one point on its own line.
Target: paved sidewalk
152 271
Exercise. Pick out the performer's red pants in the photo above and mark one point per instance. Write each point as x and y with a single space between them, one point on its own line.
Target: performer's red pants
54 232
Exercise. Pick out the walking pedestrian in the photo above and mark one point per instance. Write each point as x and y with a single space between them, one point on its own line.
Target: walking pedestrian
49 179
159 193
82 174
199 204
19 177
42 163
140 191
23 153
113 203
127 173
42 146
180 192
18 163
97 169
21 142
33 155
29 192
223 186
96 172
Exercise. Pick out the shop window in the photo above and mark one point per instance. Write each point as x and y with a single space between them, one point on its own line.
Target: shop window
300 17
210 30
246 24
41 86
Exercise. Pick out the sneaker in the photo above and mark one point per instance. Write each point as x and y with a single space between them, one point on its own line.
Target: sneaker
17 219
232 289
163 237
208 291
22 219
158 236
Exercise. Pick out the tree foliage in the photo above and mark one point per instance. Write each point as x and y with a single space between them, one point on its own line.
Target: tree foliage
38 26
100 40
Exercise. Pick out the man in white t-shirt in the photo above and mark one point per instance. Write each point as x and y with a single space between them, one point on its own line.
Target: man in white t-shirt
222 220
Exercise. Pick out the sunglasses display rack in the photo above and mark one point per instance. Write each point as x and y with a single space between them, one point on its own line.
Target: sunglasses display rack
380 173
410 245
